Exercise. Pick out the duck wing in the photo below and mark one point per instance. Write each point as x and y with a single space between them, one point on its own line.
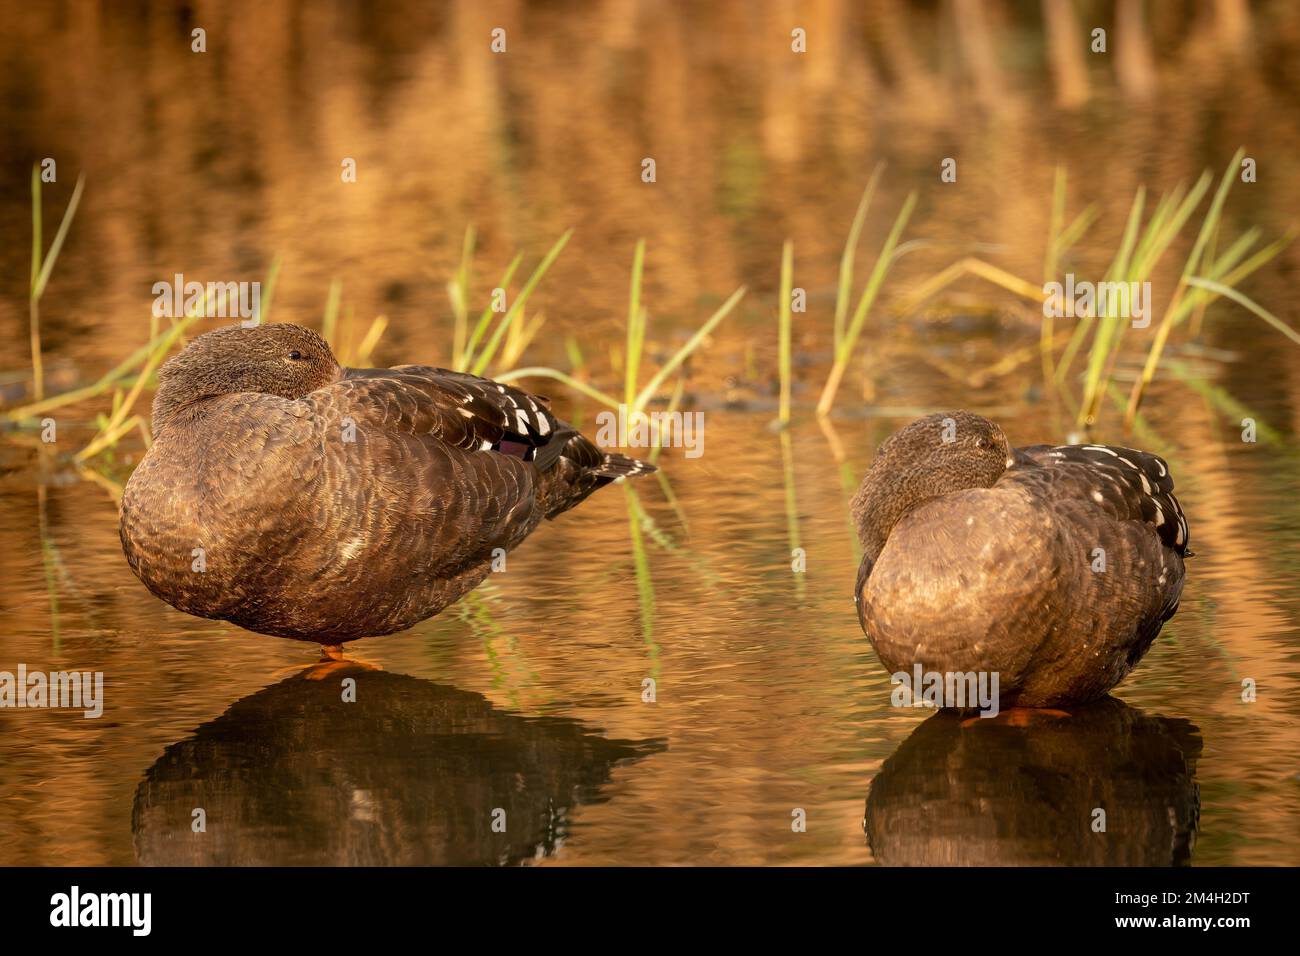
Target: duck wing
506 459
405 488
467 411
1127 484
479 414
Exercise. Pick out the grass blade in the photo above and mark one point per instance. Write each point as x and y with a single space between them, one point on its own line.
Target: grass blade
458 292
51 257
643 397
539 371
636 322
844 288
783 327
1250 304
512 313
883 261
329 322
1208 226
485 319
268 291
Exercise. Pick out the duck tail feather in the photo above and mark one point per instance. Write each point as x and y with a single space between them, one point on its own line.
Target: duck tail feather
620 466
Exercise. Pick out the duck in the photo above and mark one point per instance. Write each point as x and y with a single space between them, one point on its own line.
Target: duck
1051 567
297 498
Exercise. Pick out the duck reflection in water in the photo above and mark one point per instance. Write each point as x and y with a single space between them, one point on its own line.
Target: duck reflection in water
1025 788
408 774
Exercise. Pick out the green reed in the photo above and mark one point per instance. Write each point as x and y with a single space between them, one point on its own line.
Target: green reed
506 331
636 324
341 335
42 268
637 400
1207 275
1060 239
121 421
784 330
845 346
844 283
1219 277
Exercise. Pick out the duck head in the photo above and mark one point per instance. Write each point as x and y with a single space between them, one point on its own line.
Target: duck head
933 456
280 359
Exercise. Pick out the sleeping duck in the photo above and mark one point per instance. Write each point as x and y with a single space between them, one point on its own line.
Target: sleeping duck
1052 567
297 498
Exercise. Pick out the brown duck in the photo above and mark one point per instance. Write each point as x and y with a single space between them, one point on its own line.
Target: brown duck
1053 567
297 498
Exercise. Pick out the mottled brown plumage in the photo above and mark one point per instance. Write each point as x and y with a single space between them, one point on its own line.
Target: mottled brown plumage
328 504
1054 567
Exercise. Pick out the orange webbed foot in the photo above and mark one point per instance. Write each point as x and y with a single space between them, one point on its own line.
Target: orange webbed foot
331 664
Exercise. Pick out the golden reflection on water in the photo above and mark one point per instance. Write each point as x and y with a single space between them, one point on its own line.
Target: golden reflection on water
295 775
1106 785
768 698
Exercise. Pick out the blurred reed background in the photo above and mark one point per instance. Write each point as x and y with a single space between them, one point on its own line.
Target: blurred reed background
214 164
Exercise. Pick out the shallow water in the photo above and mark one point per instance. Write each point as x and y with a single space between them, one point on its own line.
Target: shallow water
529 696
767 699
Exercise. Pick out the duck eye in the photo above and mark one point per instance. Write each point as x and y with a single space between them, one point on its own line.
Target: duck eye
981 443
295 355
